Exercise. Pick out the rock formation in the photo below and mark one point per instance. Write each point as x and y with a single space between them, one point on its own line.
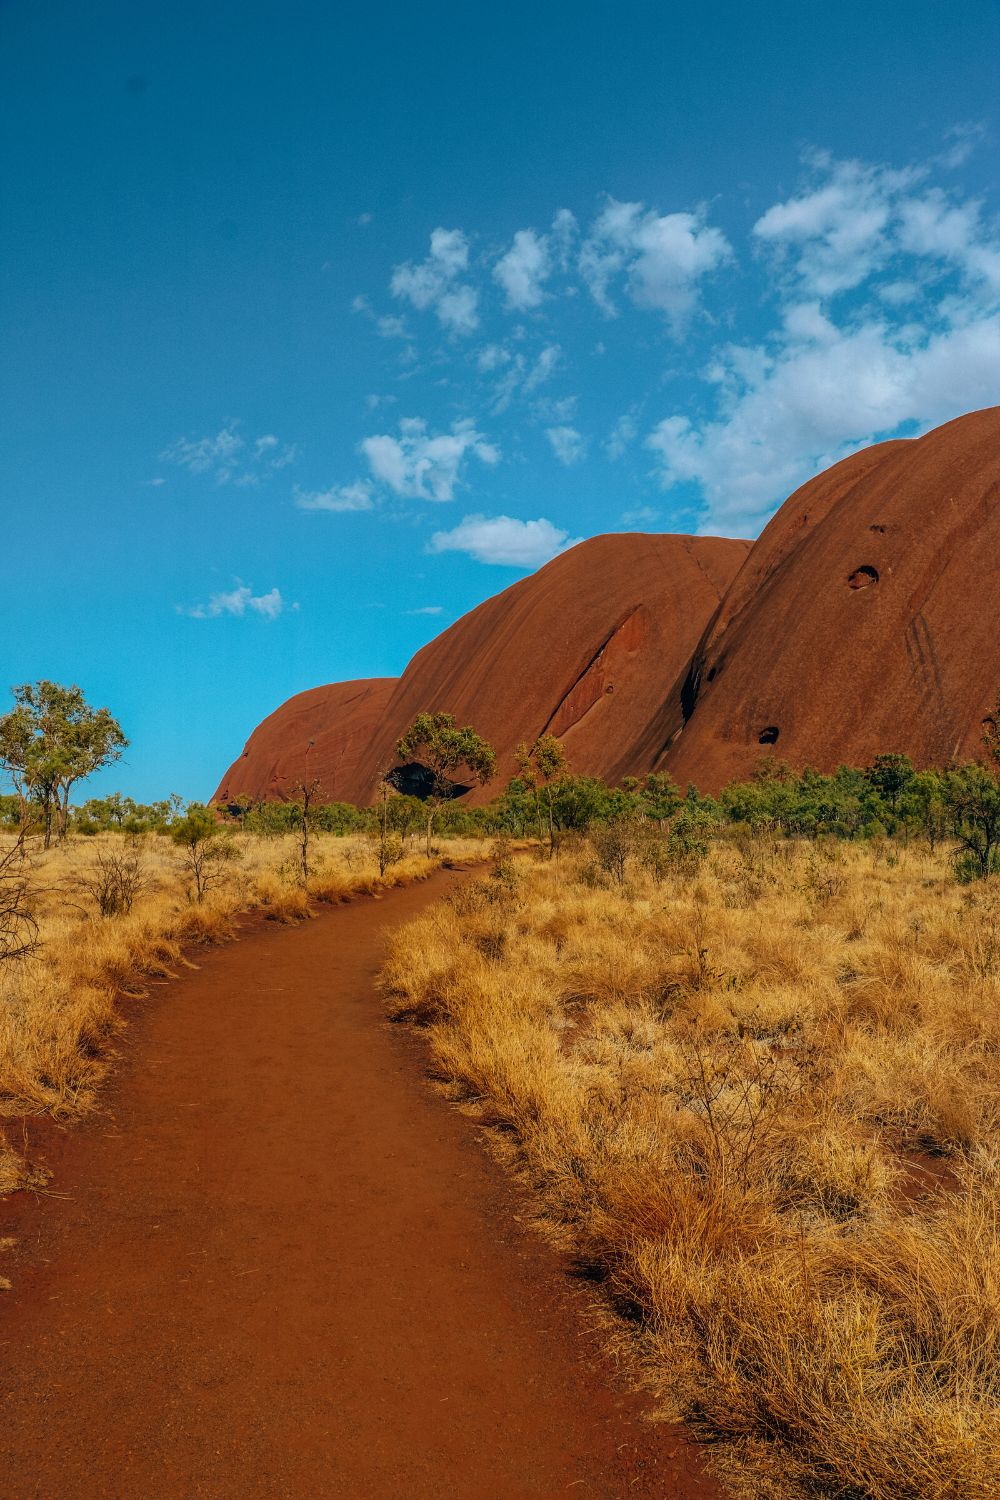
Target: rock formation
864 620
584 648
317 735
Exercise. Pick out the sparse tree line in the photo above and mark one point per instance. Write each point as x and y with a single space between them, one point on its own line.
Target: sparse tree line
52 739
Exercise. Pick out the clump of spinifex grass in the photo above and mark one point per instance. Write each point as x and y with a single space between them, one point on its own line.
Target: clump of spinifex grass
728 1092
59 1007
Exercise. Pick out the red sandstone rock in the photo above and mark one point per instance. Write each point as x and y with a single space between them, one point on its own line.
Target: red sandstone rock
586 648
864 620
338 719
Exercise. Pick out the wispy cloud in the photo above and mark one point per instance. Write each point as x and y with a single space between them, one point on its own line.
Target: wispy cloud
567 444
505 541
428 609
237 602
625 432
229 457
356 496
424 467
434 283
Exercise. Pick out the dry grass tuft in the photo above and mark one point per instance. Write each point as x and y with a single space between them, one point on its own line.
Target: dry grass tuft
727 1091
60 1009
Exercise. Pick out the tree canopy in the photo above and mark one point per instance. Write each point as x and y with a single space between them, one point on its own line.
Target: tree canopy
52 739
435 743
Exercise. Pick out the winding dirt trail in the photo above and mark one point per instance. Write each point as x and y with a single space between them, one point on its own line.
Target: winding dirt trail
284 1267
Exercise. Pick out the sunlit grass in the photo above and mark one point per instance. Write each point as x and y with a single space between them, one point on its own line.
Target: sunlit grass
729 1093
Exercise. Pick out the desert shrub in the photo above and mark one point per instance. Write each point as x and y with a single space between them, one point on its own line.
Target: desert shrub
206 853
115 878
18 927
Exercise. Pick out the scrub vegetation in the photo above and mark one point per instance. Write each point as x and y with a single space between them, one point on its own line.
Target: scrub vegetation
753 1083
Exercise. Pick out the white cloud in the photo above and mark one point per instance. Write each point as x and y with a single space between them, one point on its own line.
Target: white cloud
504 541
201 454
392 328
434 283
518 374
237 602
823 385
644 513
567 444
504 389
664 258
491 356
428 609
563 233
544 366
158 480
966 137
523 269
854 221
792 414
422 467
228 456
624 433
531 260
356 496
269 605
556 412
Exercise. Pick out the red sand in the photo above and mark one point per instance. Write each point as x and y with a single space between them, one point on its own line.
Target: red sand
284 1267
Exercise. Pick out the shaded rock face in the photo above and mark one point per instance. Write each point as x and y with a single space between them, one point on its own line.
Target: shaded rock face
338 718
584 648
864 620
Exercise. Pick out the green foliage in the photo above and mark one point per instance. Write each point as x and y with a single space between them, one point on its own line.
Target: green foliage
49 741
890 776
205 849
434 742
125 815
972 796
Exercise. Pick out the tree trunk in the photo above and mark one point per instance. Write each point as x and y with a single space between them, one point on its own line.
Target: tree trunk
430 824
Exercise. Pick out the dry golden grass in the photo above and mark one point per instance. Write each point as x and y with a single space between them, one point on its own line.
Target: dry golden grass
59 1011
722 1090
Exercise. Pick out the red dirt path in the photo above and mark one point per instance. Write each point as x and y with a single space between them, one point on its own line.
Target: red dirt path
285 1268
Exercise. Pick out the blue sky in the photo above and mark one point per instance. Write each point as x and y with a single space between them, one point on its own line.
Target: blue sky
324 323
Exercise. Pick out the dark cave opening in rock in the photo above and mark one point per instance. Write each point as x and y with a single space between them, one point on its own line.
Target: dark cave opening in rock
768 736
